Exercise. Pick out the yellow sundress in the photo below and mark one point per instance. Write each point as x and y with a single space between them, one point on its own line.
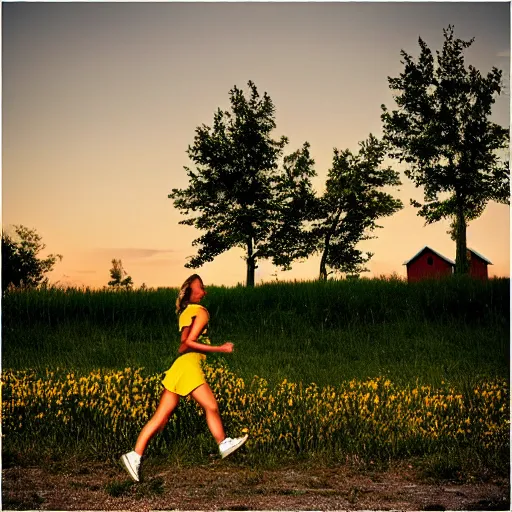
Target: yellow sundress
186 373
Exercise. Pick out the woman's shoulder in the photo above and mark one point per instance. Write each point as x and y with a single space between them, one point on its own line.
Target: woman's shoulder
191 311
194 308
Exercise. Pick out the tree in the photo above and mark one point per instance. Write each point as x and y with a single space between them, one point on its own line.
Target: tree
352 203
243 196
117 273
20 263
442 130
294 210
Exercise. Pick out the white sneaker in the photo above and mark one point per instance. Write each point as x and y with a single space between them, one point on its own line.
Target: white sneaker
131 462
230 445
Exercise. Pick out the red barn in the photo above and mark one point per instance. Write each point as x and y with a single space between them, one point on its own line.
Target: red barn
477 265
428 264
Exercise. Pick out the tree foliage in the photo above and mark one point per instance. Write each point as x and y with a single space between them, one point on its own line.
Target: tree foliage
240 194
117 274
443 132
21 266
353 201
294 210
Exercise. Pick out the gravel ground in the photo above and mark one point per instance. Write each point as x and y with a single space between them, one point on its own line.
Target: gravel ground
223 486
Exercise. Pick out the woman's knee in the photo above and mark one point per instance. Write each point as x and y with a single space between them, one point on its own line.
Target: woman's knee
159 421
211 408
205 398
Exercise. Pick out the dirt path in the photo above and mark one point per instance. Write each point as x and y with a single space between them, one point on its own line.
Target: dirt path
229 487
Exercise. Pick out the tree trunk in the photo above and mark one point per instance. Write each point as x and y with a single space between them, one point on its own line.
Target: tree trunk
323 267
251 263
461 258
323 262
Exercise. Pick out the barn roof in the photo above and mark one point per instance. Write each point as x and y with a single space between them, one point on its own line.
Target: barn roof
430 249
479 255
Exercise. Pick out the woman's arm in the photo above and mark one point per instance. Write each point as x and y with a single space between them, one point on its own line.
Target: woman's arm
190 334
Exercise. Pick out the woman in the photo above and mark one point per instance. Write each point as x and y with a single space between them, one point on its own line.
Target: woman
185 377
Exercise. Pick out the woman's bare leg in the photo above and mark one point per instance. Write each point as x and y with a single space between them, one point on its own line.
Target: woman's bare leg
168 402
205 398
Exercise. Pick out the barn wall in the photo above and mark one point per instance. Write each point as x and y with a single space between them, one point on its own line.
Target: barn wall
420 269
477 268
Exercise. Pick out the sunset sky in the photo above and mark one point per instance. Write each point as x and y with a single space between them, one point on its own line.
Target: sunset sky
101 100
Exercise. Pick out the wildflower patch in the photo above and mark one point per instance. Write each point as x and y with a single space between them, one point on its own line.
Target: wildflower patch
372 418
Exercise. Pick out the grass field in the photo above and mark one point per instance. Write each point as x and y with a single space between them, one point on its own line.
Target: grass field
377 369
325 333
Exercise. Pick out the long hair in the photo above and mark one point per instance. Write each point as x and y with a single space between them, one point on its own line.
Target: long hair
184 294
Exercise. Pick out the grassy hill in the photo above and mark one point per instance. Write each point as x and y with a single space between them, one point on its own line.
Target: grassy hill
318 332
371 369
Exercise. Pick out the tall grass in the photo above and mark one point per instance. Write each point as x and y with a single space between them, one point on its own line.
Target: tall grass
322 332
373 368
325 305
